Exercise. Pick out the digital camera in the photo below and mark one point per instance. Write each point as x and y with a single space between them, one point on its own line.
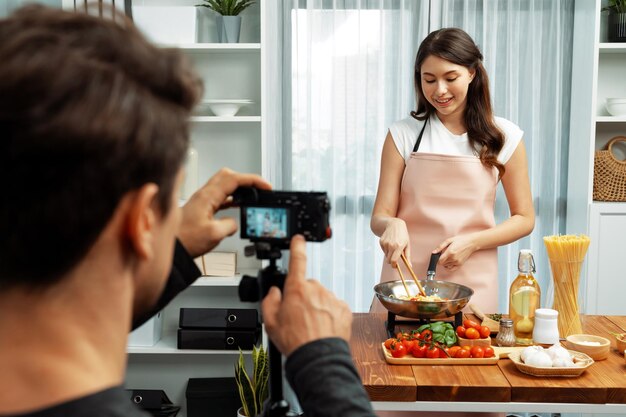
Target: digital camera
276 216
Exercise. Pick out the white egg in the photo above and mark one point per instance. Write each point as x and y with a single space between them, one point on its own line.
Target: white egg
529 351
540 359
562 363
558 352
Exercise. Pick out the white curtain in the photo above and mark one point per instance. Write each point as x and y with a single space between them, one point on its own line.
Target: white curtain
351 66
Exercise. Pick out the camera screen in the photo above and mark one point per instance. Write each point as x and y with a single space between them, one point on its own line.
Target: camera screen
266 222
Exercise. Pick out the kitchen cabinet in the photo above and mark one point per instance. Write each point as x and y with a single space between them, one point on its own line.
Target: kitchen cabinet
597 73
229 71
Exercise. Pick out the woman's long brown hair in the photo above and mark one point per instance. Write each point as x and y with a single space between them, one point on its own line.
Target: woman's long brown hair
456 46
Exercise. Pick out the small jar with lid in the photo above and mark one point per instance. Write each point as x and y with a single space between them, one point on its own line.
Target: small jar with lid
506 336
546 331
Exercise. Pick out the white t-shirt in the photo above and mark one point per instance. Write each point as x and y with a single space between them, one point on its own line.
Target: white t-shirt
438 139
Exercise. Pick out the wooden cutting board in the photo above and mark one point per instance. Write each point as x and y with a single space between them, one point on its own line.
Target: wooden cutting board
500 352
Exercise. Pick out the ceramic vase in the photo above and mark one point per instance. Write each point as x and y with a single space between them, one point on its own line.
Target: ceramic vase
617 27
228 28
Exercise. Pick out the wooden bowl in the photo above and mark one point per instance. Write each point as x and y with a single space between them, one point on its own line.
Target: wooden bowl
580 343
620 342
474 342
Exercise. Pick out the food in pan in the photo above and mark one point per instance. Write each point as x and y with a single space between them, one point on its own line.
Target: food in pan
419 297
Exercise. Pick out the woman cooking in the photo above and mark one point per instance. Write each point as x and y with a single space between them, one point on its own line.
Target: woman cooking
439 171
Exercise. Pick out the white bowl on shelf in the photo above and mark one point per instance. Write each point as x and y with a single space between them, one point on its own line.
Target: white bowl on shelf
223 107
616 106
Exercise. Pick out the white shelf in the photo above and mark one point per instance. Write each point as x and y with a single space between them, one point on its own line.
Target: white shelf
218 47
167 346
233 281
224 119
610 119
612 48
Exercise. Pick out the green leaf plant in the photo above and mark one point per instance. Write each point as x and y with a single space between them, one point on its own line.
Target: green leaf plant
253 391
616 6
227 7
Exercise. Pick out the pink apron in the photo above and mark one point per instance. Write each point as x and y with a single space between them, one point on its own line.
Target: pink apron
443 196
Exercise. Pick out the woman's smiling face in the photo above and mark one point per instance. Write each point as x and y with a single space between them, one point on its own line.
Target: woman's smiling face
445 85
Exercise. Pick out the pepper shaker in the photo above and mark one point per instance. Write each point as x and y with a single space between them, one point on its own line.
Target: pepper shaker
506 336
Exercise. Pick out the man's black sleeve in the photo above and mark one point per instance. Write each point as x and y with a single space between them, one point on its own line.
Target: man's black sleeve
326 382
184 272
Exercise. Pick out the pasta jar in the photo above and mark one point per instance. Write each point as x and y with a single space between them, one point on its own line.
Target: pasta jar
506 336
546 331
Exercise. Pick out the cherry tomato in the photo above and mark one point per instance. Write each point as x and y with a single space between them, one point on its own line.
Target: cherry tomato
388 342
466 347
472 333
444 353
419 351
460 331
427 335
453 350
462 353
408 344
398 350
484 332
432 353
489 353
467 323
477 352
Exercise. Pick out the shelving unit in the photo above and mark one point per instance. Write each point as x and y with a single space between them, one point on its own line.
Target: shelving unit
229 71
597 73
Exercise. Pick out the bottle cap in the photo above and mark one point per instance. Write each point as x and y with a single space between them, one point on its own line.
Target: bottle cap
546 313
506 322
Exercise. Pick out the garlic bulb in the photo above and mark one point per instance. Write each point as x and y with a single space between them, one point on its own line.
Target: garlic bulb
563 363
558 351
529 351
539 359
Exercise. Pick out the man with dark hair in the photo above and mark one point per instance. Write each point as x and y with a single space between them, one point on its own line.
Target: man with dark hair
93 133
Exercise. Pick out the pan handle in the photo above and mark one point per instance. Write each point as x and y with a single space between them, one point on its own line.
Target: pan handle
432 266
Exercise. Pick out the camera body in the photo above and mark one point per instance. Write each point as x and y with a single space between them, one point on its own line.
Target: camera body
276 216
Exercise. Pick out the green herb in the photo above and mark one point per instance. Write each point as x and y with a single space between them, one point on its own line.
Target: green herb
443 332
227 7
496 316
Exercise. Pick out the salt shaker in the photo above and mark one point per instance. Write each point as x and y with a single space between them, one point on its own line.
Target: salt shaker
546 331
506 336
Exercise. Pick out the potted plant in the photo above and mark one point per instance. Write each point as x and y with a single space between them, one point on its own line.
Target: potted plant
617 20
228 19
254 390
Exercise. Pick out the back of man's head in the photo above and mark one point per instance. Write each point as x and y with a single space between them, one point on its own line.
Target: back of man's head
89 111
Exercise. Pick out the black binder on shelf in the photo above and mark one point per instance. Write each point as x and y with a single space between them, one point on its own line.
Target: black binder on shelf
218 318
153 401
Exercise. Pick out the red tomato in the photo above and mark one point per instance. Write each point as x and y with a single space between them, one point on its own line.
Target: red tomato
432 353
477 352
453 350
484 332
419 351
467 323
472 333
427 335
462 353
444 353
388 342
408 344
398 350
460 331
489 353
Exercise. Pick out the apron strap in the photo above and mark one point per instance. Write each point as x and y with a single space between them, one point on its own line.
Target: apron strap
419 137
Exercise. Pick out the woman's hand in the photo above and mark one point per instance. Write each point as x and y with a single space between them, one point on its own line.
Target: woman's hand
395 240
455 251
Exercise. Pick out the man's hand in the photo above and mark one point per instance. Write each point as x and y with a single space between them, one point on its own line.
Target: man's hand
200 231
305 311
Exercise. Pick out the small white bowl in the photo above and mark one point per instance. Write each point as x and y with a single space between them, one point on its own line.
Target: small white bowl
616 106
595 346
224 108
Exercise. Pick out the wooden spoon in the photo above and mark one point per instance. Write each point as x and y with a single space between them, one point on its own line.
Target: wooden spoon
493 325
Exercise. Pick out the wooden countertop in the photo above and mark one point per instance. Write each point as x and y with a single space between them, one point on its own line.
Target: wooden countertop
603 383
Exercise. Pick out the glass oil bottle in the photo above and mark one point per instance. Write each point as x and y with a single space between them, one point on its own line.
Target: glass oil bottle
524 298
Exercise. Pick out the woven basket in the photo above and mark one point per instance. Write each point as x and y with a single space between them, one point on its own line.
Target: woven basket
581 360
609 174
